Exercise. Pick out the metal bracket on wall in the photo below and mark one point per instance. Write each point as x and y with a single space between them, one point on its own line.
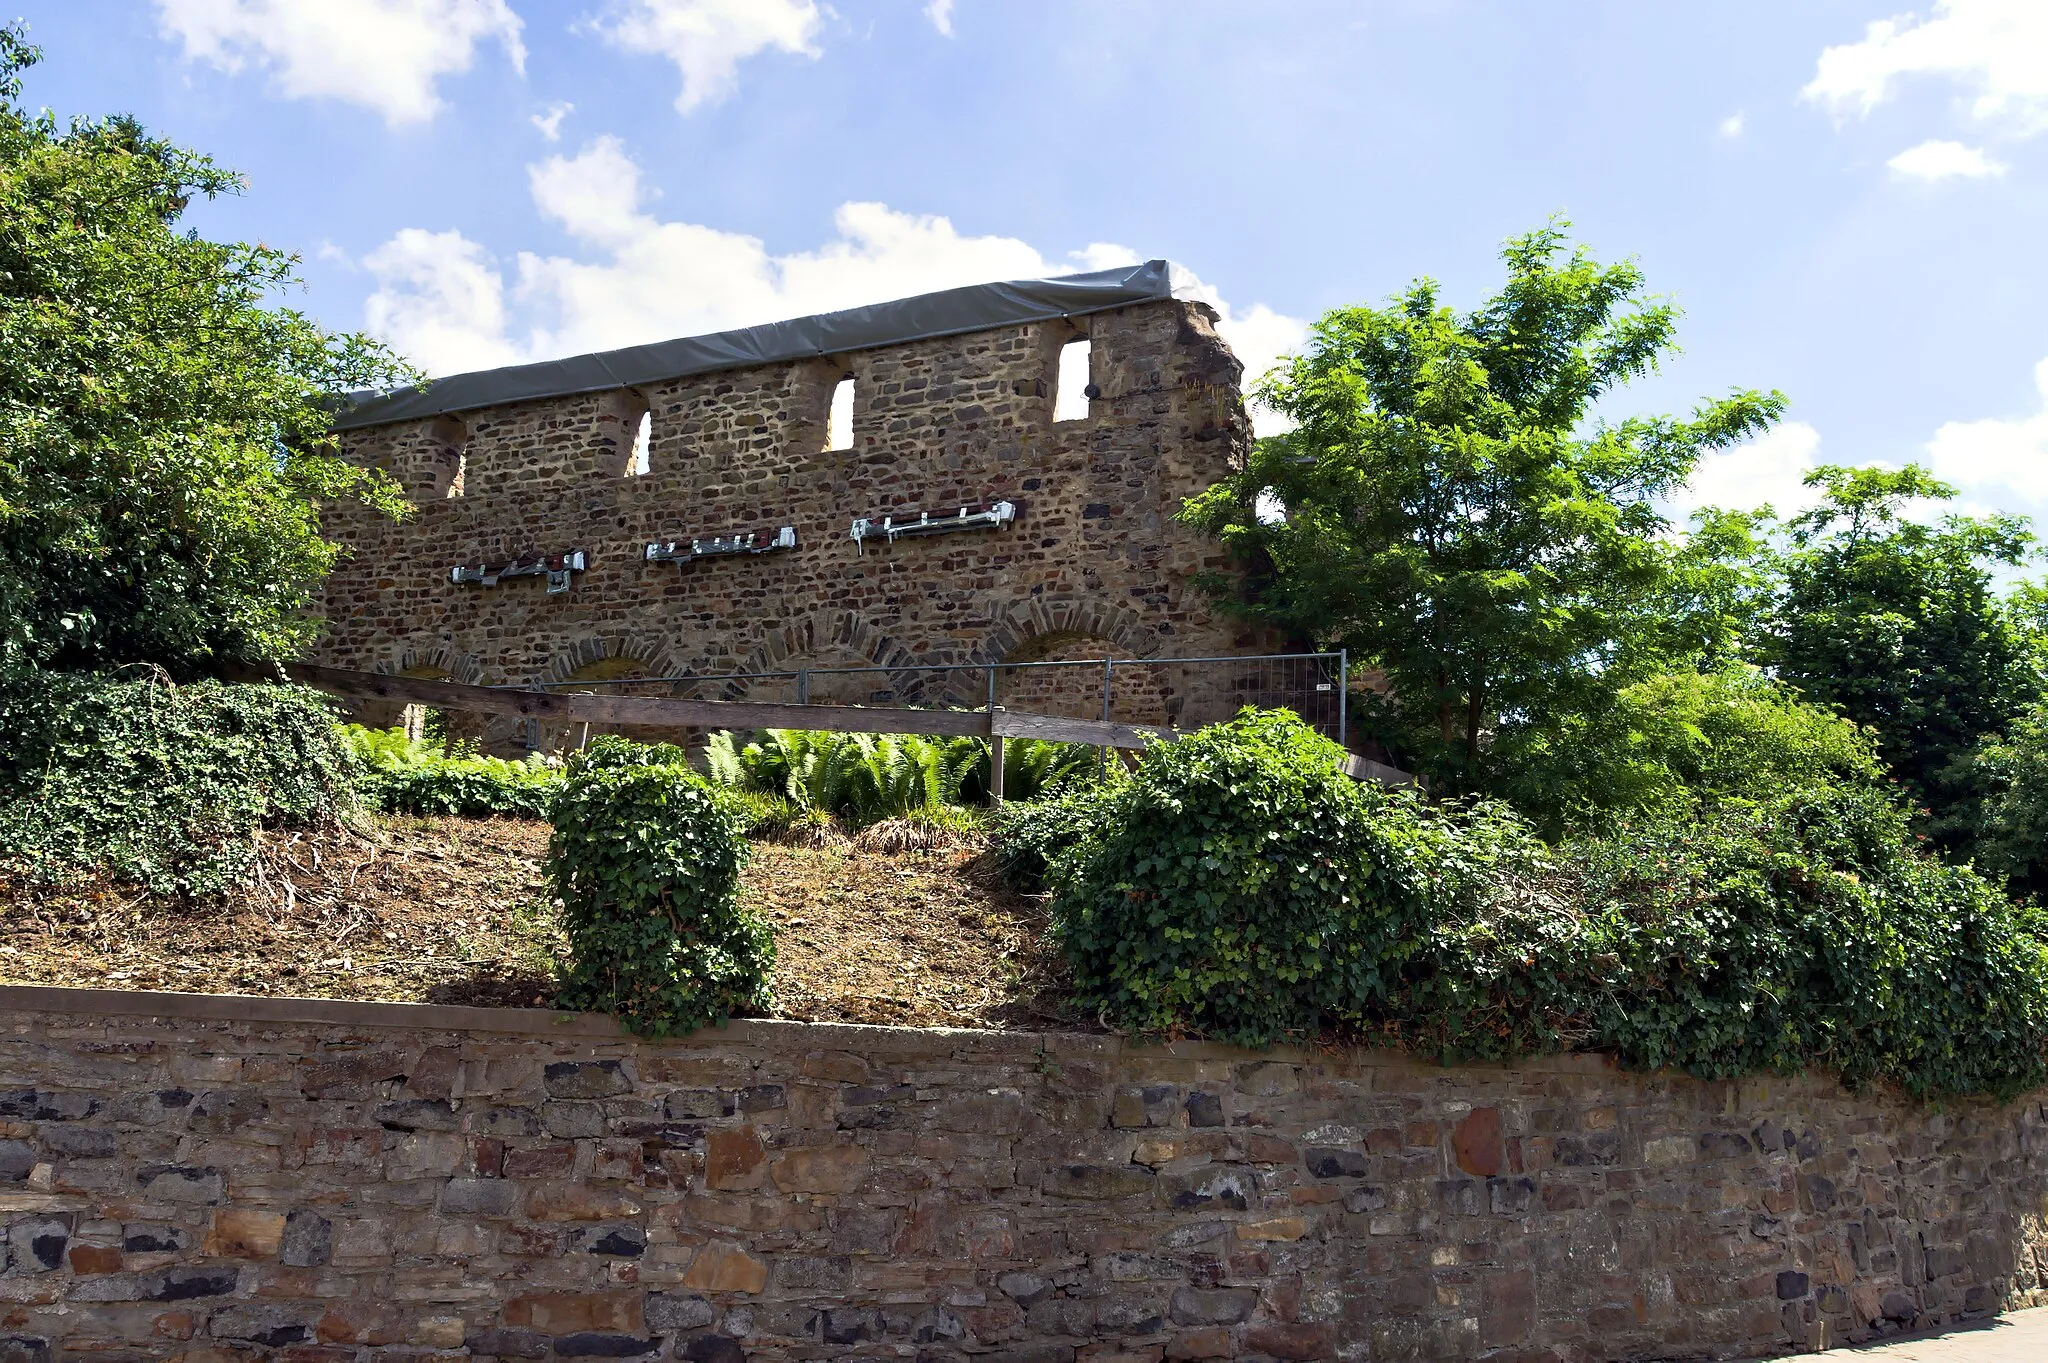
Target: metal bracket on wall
987 515
680 552
556 568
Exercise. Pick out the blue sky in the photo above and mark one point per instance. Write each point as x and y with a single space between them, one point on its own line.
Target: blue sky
1849 198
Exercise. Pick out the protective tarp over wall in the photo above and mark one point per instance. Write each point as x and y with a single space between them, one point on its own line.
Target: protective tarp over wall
952 312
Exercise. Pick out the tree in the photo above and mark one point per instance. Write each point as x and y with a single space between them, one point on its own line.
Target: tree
163 431
1457 516
1894 623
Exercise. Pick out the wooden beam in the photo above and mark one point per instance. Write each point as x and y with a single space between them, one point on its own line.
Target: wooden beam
1094 732
657 712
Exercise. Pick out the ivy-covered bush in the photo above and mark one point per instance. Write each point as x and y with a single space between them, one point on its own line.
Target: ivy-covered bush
1237 887
1808 932
1242 887
1032 835
408 776
645 860
159 785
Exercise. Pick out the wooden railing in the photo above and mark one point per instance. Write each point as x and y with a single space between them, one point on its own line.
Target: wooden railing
668 712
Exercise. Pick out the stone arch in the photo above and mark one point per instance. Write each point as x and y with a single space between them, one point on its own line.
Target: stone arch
847 639
1139 693
1070 631
606 658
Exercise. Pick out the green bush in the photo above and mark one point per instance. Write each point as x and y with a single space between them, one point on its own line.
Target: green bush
1237 887
860 778
1807 932
405 776
1241 886
1032 835
157 785
646 859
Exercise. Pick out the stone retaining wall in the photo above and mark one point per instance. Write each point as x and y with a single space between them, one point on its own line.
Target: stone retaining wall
216 1179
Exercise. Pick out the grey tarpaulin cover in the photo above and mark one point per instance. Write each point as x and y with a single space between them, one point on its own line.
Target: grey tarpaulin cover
951 312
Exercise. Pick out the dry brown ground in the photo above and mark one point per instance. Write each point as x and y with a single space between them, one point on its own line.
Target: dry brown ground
453 911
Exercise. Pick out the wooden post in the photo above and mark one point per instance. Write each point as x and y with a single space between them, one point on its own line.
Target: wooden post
995 770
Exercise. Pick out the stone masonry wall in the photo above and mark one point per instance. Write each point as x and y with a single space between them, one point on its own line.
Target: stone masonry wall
1093 556
218 1179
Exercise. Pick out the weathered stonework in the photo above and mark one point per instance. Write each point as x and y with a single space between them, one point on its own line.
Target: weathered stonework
1094 557
323 1182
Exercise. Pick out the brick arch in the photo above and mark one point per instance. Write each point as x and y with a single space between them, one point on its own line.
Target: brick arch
436 660
1012 633
846 638
650 653
1138 694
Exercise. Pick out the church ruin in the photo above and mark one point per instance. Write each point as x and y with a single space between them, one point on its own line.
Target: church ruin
684 510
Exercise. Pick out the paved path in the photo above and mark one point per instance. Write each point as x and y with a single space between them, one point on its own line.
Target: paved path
2018 1337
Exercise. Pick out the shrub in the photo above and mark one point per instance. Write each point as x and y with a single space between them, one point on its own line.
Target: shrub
1806 932
157 785
861 778
865 778
645 859
1032 835
405 776
1242 886
1238 887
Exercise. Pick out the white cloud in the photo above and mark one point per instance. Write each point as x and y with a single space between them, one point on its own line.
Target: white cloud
1765 471
1936 160
549 120
440 300
940 12
1997 48
1731 126
444 302
1998 463
385 54
708 39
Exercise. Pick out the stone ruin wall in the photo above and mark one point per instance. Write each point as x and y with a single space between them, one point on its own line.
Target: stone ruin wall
322 1182
1094 563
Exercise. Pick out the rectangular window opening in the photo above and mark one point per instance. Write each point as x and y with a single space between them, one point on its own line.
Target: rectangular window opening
1072 386
641 439
839 421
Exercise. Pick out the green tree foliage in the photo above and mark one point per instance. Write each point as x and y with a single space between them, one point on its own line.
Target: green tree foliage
163 433
1895 623
158 785
645 860
1458 515
1670 742
2012 770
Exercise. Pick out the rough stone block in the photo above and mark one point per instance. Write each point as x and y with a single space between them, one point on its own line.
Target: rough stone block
1218 1306
725 1268
820 1169
243 1233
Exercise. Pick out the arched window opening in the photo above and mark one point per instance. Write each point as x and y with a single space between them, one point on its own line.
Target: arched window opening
839 419
1073 387
643 436
449 460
